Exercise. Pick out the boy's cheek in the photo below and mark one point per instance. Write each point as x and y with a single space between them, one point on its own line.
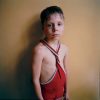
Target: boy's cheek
45 31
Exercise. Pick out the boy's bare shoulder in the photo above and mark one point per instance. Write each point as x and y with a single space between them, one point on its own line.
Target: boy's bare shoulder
65 47
39 49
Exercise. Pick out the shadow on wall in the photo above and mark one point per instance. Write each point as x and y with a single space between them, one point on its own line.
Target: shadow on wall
24 66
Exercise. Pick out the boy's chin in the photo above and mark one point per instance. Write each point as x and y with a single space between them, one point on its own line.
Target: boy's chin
56 37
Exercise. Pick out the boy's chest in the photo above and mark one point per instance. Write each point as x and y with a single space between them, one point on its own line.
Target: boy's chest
50 57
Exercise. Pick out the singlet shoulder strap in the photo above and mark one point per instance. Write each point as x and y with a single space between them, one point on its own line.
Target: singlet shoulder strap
55 52
58 47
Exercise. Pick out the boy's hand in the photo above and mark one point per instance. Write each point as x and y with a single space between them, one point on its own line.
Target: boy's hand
66 97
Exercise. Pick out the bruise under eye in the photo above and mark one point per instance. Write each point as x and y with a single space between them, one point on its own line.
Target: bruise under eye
49 25
60 23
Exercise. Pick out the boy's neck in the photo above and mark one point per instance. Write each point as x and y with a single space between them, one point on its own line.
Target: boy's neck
52 41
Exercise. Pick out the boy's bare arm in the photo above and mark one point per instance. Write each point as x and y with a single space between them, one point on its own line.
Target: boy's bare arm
36 70
66 64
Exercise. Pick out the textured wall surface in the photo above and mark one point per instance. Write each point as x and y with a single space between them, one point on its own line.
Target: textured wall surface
20 30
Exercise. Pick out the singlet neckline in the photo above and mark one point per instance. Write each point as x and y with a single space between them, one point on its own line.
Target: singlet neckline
55 52
57 49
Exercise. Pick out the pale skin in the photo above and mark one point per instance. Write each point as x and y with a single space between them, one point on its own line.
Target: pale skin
43 65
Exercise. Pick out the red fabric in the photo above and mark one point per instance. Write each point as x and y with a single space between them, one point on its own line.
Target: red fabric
56 87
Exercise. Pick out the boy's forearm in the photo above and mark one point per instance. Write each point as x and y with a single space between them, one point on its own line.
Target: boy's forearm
38 90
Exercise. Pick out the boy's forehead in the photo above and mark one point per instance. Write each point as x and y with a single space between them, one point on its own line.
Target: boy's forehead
55 15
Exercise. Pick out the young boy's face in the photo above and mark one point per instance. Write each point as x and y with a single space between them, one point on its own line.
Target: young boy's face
54 26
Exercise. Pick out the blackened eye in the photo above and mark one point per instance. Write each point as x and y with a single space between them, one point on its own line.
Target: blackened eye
49 25
59 24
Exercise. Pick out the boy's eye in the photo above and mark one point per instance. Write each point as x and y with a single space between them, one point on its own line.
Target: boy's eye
49 25
59 24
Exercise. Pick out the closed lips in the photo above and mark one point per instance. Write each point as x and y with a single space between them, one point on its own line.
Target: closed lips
55 34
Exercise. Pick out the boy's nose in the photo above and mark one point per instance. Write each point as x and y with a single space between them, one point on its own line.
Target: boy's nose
54 28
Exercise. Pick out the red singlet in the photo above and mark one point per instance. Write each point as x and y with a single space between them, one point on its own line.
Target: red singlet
56 88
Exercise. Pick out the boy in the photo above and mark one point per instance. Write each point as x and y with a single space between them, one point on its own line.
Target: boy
50 57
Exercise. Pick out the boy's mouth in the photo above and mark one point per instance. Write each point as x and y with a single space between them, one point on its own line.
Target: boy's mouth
55 34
